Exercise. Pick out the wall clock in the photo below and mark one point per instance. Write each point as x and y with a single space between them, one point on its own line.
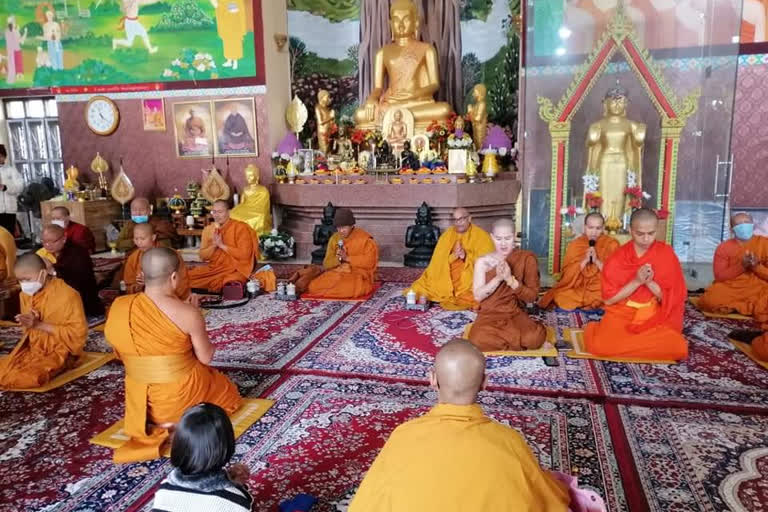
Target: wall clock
102 115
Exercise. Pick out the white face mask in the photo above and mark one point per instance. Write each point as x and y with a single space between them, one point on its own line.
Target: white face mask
61 223
30 287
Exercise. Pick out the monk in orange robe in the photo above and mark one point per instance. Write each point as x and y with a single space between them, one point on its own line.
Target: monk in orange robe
448 278
579 285
505 280
644 293
141 212
166 351
231 249
54 328
350 263
145 238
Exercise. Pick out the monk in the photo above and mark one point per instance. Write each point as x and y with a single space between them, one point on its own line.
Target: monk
448 278
54 328
230 248
350 263
579 285
505 281
73 264
644 293
7 255
76 233
166 351
141 213
145 238
455 458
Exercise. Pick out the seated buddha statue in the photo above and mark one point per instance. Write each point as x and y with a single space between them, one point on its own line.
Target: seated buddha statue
412 69
409 159
254 209
422 238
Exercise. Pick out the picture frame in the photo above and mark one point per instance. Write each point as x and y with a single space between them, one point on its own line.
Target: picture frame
235 127
153 114
308 160
193 129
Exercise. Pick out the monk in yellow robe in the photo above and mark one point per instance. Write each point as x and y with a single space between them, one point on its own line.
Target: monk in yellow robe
448 278
579 285
166 351
7 255
54 328
349 267
455 458
505 281
644 292
141 212
230 248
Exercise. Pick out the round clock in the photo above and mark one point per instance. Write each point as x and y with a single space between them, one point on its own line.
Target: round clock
101 115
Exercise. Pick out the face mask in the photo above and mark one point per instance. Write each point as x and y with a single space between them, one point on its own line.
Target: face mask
30 287
743 231
58 222
140 219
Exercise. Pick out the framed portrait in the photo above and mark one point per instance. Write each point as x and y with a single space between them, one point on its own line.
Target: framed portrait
308 160
193 125
235 127
153 113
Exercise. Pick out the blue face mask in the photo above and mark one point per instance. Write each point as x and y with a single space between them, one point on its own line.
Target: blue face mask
743 231
140 219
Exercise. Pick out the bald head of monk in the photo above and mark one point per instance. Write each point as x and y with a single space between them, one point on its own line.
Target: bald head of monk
594 225
503 236
743 226
462 220
140 210
220 212
459 373
144 236
160 266
54 237
60 216
643 226
30 268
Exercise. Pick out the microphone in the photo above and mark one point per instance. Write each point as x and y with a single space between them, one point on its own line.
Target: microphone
591 244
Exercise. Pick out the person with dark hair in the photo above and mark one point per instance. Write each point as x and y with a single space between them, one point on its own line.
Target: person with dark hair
203 444
76 232
11 185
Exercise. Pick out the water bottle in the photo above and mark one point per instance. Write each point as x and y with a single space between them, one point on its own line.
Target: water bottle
291 290
410 298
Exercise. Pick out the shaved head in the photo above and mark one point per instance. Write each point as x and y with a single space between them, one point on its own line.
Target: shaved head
140 206
503 236
741 218
53 230
642 226
504 223
158 264
144 236
643 215
220 211
459 372
60 210
145 228
597 216
594 223
29 263
54 238
461 220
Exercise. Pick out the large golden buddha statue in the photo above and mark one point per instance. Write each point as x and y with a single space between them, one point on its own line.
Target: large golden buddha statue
255 207
615 153
412 69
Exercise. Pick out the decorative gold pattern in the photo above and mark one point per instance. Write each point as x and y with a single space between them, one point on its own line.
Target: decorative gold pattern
296 115
122 188
214 187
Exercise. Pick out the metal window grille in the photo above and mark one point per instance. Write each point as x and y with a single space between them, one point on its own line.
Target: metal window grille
35 141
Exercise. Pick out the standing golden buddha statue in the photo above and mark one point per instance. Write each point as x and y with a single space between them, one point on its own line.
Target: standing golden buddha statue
255 208
478 115
325 117
412 69
615 154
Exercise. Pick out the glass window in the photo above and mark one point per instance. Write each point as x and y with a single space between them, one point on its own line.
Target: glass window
14 109
35 140
51 109
35 108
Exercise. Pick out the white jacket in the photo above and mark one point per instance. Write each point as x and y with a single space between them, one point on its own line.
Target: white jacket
12 179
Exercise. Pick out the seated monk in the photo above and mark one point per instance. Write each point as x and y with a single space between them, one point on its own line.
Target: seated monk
483 465
644 293
7 255
350 263
144 238
54 328
579 285
166 351
140 213
73 264
741 272
76 233
229 246
505 280
448 278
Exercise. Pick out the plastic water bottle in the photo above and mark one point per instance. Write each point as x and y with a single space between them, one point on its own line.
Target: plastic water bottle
410 298
290 290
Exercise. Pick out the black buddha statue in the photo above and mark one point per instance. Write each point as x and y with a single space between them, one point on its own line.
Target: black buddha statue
384 156
322 233
408 159
422 238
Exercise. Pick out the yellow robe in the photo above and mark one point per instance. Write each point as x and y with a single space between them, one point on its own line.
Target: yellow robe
456 459
232 25
44 253
7 254
40 356
255 210
223 267
448 280
353 278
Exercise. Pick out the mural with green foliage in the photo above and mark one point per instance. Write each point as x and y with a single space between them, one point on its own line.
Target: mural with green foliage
111 42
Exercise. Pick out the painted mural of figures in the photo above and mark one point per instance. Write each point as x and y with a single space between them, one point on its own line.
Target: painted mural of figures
52 37
13 41
232 26
133 27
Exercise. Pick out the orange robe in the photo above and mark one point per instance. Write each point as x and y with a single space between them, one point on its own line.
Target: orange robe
164 229
40 356
234 265
502 322
350 279
132 268
162 375
640 326
447 279
7 254
580 287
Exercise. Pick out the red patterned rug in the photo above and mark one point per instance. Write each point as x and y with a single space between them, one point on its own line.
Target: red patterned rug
386 274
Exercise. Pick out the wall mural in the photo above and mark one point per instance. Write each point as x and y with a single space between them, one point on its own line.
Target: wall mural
107 42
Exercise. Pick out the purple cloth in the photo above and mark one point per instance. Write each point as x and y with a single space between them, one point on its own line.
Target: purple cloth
497 138
290 144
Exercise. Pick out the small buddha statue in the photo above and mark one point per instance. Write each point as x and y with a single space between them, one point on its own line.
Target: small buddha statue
384 155
422 238
325 117
398 132
343 148
322 233
408 159
411 68
254 208
71 184
478 115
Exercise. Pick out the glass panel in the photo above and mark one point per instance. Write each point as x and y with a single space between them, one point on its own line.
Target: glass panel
37 140
54 139
58 173
41 170
26 172
35 108
18 134
51 109
14 109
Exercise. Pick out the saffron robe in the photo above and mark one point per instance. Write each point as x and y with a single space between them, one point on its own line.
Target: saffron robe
640 326
164 229
7 254
580 287
74 265
353 278
456 459
502 322
132 269
447 279
223 267
82 236
40 356
163 377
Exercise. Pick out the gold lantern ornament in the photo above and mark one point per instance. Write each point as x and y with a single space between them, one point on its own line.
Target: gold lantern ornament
100 166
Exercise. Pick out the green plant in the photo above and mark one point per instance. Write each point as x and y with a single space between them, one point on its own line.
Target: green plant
333 10
157 8
105 7
191 65
184 15
33 28
89 72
